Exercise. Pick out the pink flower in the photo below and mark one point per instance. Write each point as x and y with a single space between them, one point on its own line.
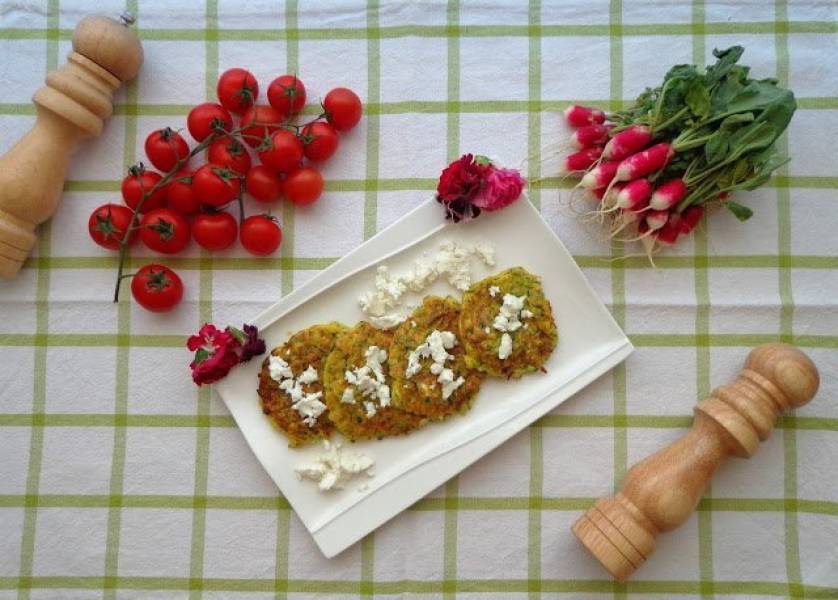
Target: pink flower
216 352
500 188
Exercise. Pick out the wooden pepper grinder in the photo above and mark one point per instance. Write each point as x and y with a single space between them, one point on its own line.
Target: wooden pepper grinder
660 492
72 105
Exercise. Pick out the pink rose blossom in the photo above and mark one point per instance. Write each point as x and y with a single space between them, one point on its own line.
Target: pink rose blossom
500 188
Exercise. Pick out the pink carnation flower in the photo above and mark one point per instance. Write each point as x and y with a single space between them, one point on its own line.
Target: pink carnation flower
500 188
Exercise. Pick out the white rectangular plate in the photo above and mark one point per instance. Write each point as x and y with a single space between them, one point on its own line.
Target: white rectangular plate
408 467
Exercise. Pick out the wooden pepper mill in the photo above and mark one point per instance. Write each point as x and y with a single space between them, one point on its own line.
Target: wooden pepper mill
72 105
660 492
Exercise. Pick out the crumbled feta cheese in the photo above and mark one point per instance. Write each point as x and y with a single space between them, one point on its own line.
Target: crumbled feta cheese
413 323
335 468
508 320
370 380
348 396
452 261
505 348
278 369
308 376
494 290
487 330
309 406
486 253
436 347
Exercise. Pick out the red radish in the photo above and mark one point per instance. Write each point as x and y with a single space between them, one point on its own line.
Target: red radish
644 163
657 219
634 195
582 160
590 135
690 218
598 193
668 194
627 142
600 176
579 116
668 234
609 199
723 196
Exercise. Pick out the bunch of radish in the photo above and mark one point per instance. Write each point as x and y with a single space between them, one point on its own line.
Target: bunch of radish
681 147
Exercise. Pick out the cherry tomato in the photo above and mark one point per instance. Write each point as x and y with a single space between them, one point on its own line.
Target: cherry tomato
180 196
229 152
139 182
206 118
343 108
157 288
262 184
164 230
259 123
287 94
260 235
108 225
320 140
284 153
237 90
216 186
165 147
214 231
303 186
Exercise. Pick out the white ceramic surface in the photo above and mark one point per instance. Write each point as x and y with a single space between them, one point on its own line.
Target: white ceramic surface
409 467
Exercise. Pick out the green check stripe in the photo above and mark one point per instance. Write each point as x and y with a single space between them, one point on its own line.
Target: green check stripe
372 184
151 420
450 504
436 31
487 586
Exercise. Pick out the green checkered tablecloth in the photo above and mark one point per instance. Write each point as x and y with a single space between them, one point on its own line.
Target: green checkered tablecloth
119 479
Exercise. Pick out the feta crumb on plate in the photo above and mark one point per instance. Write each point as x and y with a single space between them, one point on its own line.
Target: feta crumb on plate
335 467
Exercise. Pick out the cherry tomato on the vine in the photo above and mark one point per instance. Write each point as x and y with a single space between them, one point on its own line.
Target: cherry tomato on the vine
216 186
157 288
263 184
258 123
164 230
229 152
214 230
180 196
287 94
165 147
260 235
320 141
138 182
237 90
207 118
108 225
303 186
284 152
343 108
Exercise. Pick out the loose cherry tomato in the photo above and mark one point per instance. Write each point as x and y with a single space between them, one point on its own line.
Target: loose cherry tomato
108 225
216 186
229 152
215 230
237 90
207 118
320 141
157 288
164 230
284 152
165 147
287 94
180 196
258 123
303 186
139 182
260 235
343 108
262 184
